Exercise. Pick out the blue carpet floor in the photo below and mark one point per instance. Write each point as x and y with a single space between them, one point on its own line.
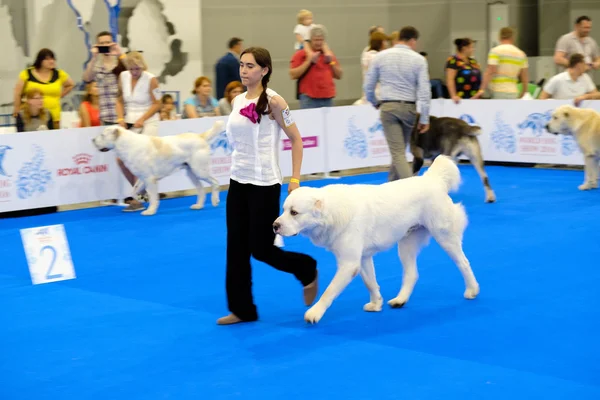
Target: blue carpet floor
139 320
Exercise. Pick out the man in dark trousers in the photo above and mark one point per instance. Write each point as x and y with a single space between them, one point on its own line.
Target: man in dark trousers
228 67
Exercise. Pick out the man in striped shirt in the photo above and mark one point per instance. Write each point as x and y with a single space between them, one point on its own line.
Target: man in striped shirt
403 76
506 65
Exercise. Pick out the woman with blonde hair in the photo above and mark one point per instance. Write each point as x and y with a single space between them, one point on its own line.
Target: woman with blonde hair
33 116
138 106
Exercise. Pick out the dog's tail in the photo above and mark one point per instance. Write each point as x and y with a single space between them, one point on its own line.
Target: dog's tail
218 127
460 216
474 130
446 171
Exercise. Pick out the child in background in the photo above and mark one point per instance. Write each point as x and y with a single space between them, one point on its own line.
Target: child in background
167 110
302 30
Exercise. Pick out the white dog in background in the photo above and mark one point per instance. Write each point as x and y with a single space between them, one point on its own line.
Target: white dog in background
584 125
357 221
151 158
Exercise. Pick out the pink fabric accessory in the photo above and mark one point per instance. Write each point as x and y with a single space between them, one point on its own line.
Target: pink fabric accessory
250 112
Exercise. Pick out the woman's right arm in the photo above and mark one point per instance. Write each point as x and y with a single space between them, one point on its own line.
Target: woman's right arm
17 96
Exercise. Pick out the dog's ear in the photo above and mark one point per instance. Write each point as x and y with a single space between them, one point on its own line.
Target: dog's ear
318 206
115 132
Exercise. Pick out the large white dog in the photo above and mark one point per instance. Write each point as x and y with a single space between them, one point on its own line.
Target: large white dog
152 158
357 221
584 125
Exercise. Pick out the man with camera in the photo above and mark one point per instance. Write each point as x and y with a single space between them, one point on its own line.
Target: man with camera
104 68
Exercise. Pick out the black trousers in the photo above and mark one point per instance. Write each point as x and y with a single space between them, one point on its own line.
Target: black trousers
251 211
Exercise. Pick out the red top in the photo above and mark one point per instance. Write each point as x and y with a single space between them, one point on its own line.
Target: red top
94 113
318 81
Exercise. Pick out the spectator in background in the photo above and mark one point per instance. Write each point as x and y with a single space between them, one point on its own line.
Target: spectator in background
227 68
167 108
52 82
89 113
233 89
404 78
32 115
578 41
573 83
104 69
315 67
302 29
202 104
463 73
379 42
506 65
372 30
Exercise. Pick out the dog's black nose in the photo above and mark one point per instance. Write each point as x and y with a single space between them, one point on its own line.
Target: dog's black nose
546 126
276 226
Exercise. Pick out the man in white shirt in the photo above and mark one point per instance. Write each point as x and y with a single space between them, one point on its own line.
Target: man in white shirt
573 83
403 75
578 41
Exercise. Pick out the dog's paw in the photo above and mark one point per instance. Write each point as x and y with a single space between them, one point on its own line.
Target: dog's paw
148 212
215 201
471 293
279 241
490 197
197 207
588 186
314 314
374 306
397 302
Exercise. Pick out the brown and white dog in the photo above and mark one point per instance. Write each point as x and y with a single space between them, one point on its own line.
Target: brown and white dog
451 137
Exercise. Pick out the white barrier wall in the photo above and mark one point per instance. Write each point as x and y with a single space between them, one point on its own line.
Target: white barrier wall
60 167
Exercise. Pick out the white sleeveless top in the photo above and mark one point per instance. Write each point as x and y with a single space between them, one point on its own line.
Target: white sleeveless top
138 101
255 157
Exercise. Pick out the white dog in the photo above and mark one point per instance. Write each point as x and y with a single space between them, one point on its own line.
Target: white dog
152 158
584 125
357 221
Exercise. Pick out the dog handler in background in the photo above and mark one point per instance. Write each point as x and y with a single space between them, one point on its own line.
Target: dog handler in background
404 82
253 199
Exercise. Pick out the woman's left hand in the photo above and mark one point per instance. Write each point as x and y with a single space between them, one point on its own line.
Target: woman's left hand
292 186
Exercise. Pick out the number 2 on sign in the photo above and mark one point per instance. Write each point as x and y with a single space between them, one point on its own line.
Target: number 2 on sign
53 251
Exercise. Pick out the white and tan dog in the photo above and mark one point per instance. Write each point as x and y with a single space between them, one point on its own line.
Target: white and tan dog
584 125
152 158
357 221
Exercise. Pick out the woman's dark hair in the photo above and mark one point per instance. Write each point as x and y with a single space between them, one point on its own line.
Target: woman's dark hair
41 56
263 59
461 43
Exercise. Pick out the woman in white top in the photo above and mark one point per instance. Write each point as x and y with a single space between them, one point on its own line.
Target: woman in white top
378 42
138 106
253 199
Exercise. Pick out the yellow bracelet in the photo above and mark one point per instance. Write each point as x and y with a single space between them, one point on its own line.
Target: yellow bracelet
294 180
